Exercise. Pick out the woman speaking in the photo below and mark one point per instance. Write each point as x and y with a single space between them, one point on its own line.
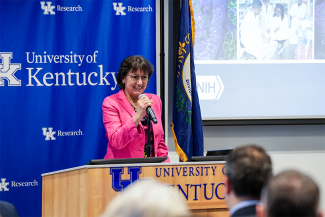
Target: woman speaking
124 114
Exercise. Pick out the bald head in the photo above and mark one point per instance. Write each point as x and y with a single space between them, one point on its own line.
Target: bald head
291 193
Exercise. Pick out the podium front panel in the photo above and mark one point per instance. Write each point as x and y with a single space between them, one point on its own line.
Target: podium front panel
86 190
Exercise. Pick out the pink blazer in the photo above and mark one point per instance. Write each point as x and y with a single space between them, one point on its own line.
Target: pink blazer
125 140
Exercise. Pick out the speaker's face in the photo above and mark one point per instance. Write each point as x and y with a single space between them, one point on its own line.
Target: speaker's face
135 83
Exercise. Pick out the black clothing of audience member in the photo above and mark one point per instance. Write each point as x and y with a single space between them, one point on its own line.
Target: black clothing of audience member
7 209
249 211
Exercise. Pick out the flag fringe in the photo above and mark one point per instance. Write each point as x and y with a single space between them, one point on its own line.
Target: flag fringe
192 22
179 151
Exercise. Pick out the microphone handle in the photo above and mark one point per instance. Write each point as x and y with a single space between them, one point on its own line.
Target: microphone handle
150 111
151 115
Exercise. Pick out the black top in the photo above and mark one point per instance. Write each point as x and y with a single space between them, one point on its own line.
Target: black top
127 160
248 211
7 209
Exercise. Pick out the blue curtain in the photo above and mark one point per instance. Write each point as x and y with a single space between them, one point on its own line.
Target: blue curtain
59 60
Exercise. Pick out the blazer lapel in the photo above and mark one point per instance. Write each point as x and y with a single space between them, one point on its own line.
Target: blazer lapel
150 96
125 103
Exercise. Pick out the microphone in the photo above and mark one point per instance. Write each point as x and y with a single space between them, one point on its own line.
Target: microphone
150 111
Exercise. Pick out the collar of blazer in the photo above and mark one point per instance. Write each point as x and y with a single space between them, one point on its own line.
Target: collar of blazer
125 102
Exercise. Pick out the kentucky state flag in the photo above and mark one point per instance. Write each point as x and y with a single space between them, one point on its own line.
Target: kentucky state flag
187 122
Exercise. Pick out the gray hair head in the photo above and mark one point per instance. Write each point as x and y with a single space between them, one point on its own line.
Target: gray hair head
147 198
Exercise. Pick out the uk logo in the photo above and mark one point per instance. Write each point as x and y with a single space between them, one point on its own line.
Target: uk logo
8 70
119 10
117 183
49 135
47 9
3 185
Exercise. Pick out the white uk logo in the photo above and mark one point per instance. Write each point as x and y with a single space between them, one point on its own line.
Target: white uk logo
47 9
3 185
50 134
8 69
119 10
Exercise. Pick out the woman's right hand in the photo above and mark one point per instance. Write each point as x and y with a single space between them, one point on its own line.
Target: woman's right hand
142 105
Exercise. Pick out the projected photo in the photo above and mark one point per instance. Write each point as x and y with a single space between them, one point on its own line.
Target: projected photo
216 29
275 30
319 29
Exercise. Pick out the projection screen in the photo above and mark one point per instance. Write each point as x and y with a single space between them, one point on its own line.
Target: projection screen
260 61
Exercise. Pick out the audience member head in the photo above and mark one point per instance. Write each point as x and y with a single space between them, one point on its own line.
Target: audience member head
257 7
248 168
290 194
7 209
147 198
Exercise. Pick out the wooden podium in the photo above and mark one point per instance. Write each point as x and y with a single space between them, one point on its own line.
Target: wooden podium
86 190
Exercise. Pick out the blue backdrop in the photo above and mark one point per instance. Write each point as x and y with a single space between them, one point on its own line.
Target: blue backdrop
59 60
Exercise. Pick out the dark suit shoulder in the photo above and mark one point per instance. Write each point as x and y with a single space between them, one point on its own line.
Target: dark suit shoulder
7 209
249 211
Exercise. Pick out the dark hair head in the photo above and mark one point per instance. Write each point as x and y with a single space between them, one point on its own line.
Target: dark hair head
282 10
291 194
248 168
257 3
133 64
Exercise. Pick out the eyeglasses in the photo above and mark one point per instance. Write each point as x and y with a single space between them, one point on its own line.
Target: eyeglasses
136 78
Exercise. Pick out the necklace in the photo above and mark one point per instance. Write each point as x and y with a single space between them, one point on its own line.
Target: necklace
134 107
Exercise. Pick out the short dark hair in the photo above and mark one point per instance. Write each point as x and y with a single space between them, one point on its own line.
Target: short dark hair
257 3
291 193
248 169
133 63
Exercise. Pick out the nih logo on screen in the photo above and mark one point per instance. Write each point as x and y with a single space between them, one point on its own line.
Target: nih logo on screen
209 87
